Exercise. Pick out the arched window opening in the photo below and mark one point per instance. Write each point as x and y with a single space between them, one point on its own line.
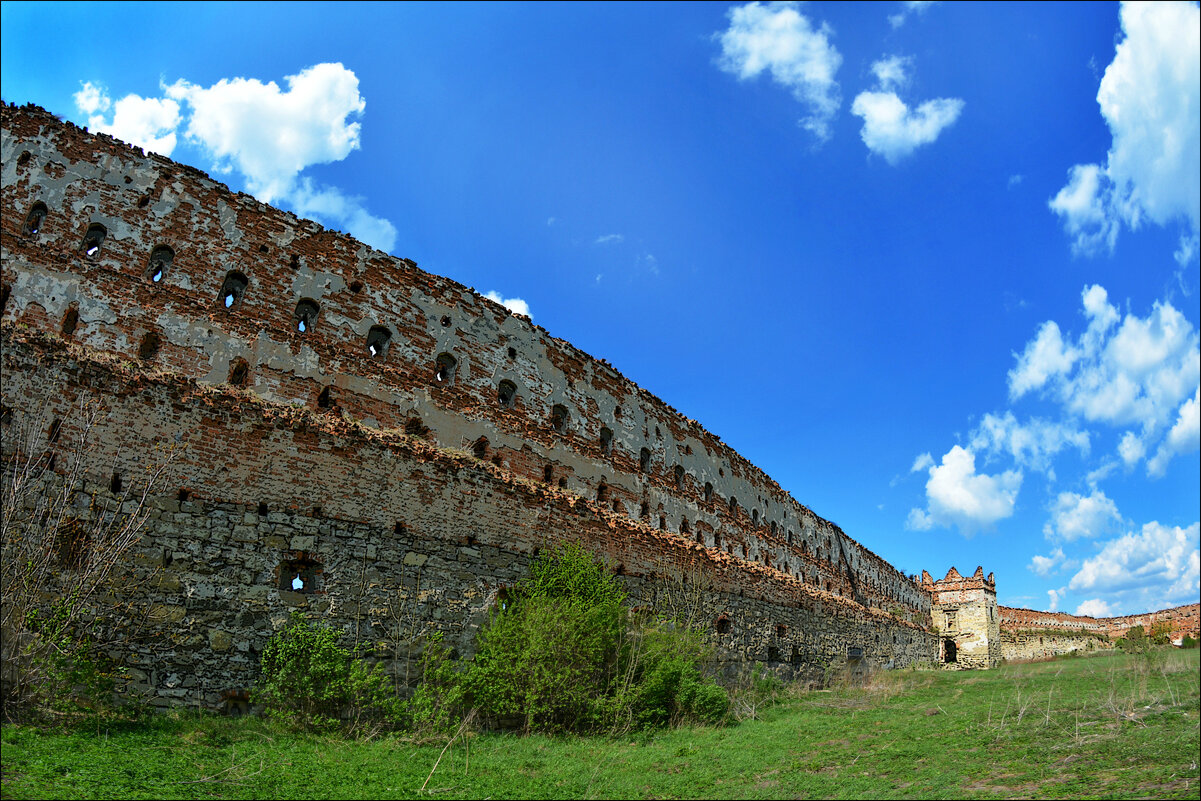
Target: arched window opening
700 537
684 529
114 486
644 511
499 462
323 400
506 394
512 353
378 339
444 369
70 321
239 372
56 430
790 536
299 574
150 345
773 528
733 505
480 448
414 427
93 239
708 491
37 216
602 491
754 517
305 316
606 440
548 474
161 259
662 523
644 459
563 483
722 624
781 631
617 505
678 476
716 539
232 289
558 418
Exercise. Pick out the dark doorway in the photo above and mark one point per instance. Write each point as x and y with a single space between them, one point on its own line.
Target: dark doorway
949 652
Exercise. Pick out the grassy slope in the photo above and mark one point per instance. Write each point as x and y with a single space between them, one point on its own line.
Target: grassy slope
1096 726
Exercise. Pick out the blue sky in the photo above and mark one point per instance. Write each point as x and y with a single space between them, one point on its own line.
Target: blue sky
933 267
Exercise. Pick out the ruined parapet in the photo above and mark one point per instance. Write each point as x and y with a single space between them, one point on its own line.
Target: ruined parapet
965 618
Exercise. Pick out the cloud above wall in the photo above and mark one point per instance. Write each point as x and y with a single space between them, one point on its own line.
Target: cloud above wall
890 127
1155 567
1150 97
259 131
515 305
796 53
956 495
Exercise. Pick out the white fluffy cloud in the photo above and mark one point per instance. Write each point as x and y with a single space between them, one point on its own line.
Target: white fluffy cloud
515 305
1045 565
1094 607
910 7
1121 371
1184 437
890 128
798 55
956 495
1029 445
1157 567
1150 98
147 122
271 135
265 134
1076 516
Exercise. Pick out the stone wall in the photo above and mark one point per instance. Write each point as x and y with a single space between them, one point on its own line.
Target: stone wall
393 536
1179 621
215 286
1023 646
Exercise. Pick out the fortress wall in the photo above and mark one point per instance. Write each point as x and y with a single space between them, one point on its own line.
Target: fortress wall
691 483
1023 646
396 537
1180 620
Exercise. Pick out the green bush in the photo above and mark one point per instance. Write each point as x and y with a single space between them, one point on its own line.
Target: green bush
562 654
308 678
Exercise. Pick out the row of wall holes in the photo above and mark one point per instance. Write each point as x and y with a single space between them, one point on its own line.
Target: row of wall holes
305 317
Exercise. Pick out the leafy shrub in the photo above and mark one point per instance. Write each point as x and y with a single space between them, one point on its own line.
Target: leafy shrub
562 654
439 701
308 678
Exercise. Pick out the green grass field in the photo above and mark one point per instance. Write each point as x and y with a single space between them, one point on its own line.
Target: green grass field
1111 726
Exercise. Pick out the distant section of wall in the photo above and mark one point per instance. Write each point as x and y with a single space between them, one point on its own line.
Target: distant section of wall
1178 621
1020 646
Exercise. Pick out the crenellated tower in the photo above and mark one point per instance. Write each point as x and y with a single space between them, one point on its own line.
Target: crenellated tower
966 619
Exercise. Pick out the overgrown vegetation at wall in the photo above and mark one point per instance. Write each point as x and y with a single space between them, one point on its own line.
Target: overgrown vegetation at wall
65 568
561 653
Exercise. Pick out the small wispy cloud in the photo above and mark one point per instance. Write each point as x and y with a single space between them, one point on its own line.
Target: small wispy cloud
608 239
798 55
908 9
890 127
1015 180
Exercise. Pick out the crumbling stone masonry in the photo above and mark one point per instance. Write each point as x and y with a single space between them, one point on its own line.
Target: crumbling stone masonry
966 619
381 448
